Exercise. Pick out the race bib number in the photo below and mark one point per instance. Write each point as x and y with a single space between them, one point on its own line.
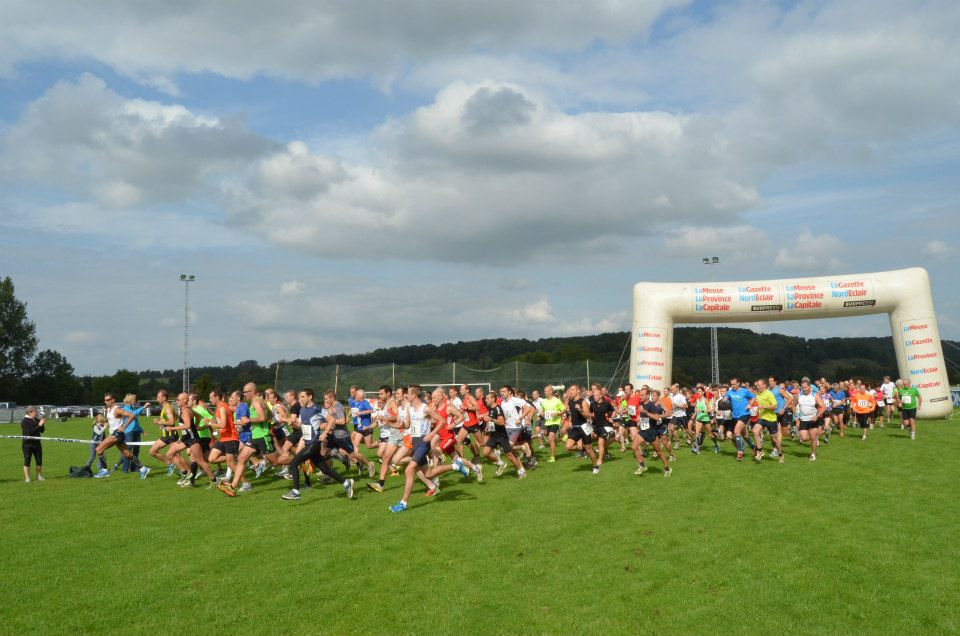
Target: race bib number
490 427
307 432
907 399
862 404
608 429
587 428
631 411
644 423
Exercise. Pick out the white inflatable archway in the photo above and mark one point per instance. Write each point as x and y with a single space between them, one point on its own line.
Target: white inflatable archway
902 294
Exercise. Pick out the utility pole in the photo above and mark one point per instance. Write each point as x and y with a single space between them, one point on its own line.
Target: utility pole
187 279
714 349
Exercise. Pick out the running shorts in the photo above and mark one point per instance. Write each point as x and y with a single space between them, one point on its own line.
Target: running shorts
295 436
552 429
499 440
263 445
809 426
577 434
908 414
227 448
772 427
420 453
169 439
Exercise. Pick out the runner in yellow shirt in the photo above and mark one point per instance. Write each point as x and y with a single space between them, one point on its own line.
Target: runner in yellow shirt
767 404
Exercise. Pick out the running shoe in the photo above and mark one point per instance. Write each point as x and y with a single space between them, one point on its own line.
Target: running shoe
375 486
596 470
642 468
501 466
293 495
479 472
371 470
262 466
183 479
170 469
695 450
533 462
398 507
758 455
521 474
103 472
41 478
226 489
716 448
246 487
144 471
187 484
460 468
348 488
430 493
672 458
739 456
581 454
667 472
552 460
813 457
774 453
435 485
779 459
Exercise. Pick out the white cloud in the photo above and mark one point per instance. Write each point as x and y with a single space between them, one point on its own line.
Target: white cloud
738 241
537 312
170 322
303 40
809 252
510 159
292 288
938 250
121 152
81 337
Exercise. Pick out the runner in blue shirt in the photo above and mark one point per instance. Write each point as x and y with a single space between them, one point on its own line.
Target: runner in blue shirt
739 398
838 400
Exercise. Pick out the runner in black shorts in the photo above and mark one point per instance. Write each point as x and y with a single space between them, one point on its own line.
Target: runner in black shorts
601 409
580 428
651 413
498 437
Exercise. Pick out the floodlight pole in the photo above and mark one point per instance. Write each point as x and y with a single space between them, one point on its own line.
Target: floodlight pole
714 349
187 279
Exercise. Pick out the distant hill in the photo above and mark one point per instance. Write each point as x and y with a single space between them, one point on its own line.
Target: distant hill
742 352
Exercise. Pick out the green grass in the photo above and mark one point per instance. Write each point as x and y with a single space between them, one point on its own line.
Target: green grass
864 540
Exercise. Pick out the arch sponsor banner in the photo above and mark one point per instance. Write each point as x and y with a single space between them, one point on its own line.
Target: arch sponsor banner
790 296
902 294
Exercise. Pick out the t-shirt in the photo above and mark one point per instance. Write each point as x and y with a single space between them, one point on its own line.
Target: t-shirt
838 397
494 413
601 410
633 406
229 431
740 401
909 397
362 422
552 408
768 406
646 423
512 409
311 423
338 414
888 389
258 430
31 427
863 402
243 410
679 403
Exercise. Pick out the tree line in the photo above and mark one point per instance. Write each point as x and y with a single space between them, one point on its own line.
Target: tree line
47 377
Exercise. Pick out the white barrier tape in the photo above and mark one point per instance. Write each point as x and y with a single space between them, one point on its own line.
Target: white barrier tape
66 439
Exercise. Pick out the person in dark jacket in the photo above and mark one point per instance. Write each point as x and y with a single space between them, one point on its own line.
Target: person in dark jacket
32 426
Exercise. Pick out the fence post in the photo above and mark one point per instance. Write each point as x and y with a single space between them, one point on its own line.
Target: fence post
588 373
336 379
393 374
517 383
276 378
454 372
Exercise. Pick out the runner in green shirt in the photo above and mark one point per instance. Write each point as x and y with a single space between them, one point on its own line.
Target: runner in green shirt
553 410
909 400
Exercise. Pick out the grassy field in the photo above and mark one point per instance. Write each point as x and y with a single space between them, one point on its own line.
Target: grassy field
865 540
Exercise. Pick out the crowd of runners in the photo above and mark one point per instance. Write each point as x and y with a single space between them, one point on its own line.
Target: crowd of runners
231 438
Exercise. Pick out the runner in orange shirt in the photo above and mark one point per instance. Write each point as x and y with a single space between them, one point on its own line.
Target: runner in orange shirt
864 404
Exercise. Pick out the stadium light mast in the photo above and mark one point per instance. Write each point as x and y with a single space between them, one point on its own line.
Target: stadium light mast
714 349
187 279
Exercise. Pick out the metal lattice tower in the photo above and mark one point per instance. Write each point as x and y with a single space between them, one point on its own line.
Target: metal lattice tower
714 349
187 279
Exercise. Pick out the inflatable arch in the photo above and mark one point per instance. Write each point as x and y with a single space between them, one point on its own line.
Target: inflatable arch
902 294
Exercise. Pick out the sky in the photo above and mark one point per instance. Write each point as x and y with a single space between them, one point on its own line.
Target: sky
346 176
